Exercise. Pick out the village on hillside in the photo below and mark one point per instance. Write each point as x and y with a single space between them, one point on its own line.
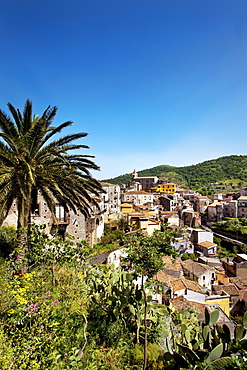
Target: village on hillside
147 203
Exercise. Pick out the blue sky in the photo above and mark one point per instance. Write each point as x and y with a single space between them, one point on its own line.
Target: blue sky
152 81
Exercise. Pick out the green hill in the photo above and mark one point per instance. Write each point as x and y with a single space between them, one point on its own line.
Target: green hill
222 170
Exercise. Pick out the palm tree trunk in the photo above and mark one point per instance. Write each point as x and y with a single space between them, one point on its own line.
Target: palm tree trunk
22 223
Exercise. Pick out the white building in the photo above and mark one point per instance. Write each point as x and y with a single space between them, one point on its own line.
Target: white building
112 200
137 197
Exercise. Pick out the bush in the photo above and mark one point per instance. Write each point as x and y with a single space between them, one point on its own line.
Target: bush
8 240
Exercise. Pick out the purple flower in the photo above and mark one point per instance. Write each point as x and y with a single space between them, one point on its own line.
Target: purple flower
48 293
10 255
28 308
42 327
65 355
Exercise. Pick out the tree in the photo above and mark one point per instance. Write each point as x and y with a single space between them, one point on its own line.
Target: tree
30 161
144 258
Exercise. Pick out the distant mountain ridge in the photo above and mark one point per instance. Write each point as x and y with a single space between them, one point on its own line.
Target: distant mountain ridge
233 167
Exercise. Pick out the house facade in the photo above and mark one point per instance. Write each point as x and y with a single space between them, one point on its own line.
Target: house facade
112 200
204 275
137 197
67 221
242 206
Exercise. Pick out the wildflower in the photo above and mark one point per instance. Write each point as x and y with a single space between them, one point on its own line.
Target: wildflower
48 293
10 255
42 327
65 355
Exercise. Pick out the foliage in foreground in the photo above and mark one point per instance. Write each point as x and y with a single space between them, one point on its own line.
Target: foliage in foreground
94 317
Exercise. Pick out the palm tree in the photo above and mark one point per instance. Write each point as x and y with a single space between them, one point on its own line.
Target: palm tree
30 161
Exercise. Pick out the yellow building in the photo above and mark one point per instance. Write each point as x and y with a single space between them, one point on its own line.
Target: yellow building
166 188
221 275
126 208
222 301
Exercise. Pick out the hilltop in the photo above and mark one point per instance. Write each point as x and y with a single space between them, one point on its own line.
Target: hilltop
224 169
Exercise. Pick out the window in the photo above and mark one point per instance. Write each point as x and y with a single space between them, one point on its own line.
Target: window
35 206
60 212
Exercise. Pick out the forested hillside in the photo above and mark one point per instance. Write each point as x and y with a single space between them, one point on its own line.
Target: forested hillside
232 167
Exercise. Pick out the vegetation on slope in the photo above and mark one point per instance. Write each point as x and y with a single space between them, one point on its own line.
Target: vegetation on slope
62 313
232 167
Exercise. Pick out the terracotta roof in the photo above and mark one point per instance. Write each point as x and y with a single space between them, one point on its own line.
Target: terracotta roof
207 244
192 285
239 281
141 192
230 289
153 222
172 263
243 295
196 268
169 214
177 285
107 184
181 304
216 204
150 214
163 277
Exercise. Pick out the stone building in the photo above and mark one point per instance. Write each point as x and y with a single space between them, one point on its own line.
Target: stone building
112 200
67 221
146 182
242 206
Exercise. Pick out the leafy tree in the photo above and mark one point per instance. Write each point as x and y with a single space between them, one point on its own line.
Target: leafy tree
188 256
144 258
31 162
